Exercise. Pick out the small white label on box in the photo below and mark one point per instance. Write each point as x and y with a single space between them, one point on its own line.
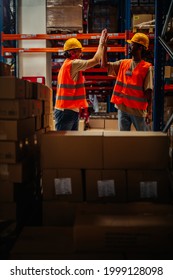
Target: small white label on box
106 188
63 186
148 189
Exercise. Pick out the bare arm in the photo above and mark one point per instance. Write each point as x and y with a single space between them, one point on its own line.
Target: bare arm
148 93
99 53
104 57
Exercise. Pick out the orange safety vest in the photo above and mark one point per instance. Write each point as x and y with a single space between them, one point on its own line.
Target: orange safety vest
70 94
128 89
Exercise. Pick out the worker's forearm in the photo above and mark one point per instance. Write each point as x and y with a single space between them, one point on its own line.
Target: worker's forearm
99 53
149 99
149 109
104 57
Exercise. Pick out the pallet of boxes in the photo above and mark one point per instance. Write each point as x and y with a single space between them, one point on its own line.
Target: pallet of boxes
104 197
143 23
64 16
22 121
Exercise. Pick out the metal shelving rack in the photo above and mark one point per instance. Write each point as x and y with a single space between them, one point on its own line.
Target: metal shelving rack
163 12
8 37
8 24
93 76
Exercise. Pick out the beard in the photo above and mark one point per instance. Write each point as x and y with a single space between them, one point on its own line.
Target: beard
130 52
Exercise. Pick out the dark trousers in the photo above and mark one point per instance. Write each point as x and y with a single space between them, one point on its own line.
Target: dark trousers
66 120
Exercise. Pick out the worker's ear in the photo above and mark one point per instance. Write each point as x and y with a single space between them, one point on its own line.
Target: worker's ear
72 54
66 54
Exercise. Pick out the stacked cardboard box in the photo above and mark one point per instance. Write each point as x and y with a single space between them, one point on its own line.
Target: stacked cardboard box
143 23
138 230
65 15
105 123
19 157
63 171
99 166
5 69
87 191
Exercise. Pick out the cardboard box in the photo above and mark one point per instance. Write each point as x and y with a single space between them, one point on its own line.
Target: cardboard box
130 208
5 69
41 240
57 213
138 19
46 94
36 91
14 192
17 173
38 122
106 185
135 150
28 90
168 101
81 126
55 3
122 233
14 109
6 191
62 184
12 87
72 150
47 107
11 152
8 211
154 185
97 123
65 18
102 107
35 107
16 129
168 72
111 124
45 121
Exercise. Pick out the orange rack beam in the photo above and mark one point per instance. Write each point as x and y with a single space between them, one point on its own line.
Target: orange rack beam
85 49
168 87
7 37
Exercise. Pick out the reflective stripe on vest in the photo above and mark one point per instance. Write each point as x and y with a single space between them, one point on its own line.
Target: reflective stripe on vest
70 94
71 86
129 86
70 97
140 99
128 89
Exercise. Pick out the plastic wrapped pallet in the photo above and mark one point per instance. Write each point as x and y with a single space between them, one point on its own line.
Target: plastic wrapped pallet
65 16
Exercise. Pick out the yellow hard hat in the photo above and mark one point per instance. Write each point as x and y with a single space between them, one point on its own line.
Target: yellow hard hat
71 44
140 38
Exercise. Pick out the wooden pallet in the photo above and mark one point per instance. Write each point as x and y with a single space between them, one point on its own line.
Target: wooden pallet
143 30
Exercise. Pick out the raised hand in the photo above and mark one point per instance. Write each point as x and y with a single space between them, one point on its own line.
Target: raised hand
103 37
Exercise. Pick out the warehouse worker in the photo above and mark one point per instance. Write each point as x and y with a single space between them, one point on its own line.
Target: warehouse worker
71 94
132 93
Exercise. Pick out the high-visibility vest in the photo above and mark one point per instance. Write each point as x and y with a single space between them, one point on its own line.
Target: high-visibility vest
128 89
70 94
